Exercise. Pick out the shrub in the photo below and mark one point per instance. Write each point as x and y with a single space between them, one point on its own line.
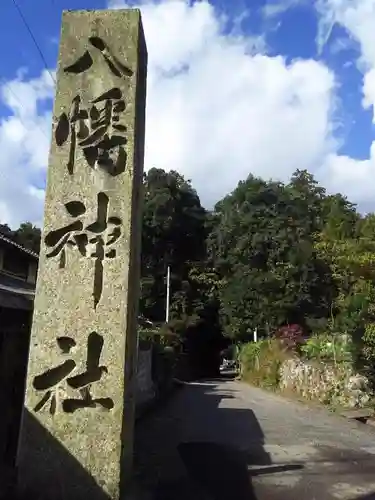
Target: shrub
249 355
327 347
162 336
368 339
261 362
290 335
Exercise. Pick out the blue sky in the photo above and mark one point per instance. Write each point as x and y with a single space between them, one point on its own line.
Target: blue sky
295 92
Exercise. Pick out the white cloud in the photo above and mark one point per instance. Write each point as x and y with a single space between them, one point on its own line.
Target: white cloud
216 111
354 177
24 143
277 7
218 108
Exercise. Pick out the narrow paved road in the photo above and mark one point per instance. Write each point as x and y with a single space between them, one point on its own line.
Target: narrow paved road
224 440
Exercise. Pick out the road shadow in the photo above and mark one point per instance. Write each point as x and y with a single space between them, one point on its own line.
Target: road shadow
222 470
201 445
228 375
47 471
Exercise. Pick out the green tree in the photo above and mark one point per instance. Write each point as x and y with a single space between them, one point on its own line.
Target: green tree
340 217
173 234
28 236
309 197
5 230
263 243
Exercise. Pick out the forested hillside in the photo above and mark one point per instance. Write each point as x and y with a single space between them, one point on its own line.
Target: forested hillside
269 254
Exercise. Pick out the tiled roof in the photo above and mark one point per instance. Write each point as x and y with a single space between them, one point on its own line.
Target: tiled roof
20 247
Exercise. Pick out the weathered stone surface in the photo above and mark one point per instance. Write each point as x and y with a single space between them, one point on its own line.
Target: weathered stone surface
78 444
358 413
337 385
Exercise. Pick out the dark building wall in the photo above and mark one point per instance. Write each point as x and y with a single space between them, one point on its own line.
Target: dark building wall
14 319
14 351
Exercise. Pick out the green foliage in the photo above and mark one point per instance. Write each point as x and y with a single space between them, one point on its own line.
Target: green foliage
163 336
326 347
369 343
352 263
27 235
270 254
249 355
173 234
293 254
261 363
264 249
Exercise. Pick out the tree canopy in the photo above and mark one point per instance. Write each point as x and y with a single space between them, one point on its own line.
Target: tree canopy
269 254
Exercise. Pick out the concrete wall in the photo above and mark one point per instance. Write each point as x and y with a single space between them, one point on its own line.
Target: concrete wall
155 375
145 387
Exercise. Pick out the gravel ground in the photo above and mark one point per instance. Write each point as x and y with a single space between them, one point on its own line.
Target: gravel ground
224 440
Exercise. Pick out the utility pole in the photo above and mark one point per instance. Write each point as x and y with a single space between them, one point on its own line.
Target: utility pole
168 290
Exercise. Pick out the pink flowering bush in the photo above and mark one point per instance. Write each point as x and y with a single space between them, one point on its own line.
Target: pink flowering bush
290 335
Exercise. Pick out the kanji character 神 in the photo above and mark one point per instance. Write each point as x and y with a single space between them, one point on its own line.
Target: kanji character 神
102 234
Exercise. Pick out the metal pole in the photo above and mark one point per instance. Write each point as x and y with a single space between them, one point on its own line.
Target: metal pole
168 289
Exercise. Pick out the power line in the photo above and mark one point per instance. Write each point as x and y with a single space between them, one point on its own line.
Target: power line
33 38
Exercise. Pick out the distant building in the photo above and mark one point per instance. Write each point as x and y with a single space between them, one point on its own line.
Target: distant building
18 271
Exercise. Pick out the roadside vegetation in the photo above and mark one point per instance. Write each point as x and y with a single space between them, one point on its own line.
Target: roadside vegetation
288 259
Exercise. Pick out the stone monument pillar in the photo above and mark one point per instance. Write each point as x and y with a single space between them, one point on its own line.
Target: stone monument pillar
77 432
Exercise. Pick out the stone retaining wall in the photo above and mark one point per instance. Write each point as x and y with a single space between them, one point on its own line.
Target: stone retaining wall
336 385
